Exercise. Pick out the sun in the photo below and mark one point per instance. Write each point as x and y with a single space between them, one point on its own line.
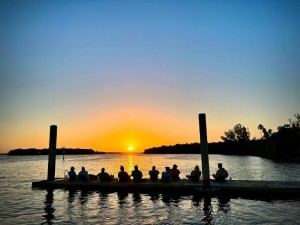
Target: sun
130 148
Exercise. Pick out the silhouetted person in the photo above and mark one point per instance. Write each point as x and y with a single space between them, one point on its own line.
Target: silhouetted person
104 177
137 174
123 176
166 176
153 174
195 174
221 173
72 174
83 175
175 173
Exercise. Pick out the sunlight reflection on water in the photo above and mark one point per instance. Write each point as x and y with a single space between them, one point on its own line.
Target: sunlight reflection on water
20 204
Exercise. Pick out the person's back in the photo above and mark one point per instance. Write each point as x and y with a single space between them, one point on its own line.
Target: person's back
166 176
72 174
136 174
195 174
104 176
175 173
123 176
221 174
153 174
83 175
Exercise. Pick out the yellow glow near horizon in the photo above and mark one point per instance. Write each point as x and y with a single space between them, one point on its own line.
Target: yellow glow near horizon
125 129
118 129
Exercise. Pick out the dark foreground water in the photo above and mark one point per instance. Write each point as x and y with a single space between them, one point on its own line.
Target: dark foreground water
20 204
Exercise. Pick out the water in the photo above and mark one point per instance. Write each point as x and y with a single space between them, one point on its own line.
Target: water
20 204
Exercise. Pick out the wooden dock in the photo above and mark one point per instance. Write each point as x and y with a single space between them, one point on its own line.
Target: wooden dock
241 188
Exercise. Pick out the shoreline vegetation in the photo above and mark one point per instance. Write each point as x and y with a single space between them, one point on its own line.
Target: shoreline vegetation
59 151
283 145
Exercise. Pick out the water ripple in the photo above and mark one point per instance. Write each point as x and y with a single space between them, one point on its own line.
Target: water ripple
20 204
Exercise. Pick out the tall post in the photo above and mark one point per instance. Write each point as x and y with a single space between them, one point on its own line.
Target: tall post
52 153
204 150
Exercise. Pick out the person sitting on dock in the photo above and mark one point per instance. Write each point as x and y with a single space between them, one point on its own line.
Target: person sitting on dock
123 176
137 174
175 173
105 177
72 174
153 174
221 173
166 176
83 175
195 174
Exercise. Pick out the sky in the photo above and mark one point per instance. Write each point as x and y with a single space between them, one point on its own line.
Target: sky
115 74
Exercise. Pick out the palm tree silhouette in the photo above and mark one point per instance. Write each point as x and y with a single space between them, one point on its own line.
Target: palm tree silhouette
260 127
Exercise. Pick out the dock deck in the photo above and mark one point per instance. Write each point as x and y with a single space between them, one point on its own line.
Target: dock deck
233 187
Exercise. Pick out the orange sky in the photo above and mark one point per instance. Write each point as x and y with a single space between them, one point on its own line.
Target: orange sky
138 74
117 130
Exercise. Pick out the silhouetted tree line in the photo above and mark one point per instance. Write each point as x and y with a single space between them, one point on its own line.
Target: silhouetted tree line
283 145
60 151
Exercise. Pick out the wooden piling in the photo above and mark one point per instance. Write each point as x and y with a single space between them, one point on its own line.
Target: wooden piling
204 150
52 153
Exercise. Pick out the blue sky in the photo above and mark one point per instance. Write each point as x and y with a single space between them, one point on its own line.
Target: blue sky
72 62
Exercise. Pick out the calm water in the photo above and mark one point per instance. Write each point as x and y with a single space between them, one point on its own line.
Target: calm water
20 204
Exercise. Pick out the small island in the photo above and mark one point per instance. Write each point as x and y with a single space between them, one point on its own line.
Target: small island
59 151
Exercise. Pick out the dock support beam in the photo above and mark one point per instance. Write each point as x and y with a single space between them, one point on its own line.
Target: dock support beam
52 153
204 150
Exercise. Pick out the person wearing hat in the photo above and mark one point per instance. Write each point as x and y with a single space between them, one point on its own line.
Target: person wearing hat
72 174
166 176
195 174
175 173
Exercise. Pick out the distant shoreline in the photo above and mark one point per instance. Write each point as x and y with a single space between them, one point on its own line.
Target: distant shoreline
60 151
260 148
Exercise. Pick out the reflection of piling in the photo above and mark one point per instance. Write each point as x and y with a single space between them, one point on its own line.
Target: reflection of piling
204 150
63 152
52 153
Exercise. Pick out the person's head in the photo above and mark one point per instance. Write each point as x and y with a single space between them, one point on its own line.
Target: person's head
102 170
122 168
197 168
175 166
83 169
168 169
220 165
136 167
72 168
153 167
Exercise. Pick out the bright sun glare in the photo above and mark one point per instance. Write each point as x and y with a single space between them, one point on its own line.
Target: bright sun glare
130 148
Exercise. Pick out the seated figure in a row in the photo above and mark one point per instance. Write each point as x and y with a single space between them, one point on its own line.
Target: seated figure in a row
153 174
221 174
170 174
104 176
136 174
122 175
82 176
195 174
